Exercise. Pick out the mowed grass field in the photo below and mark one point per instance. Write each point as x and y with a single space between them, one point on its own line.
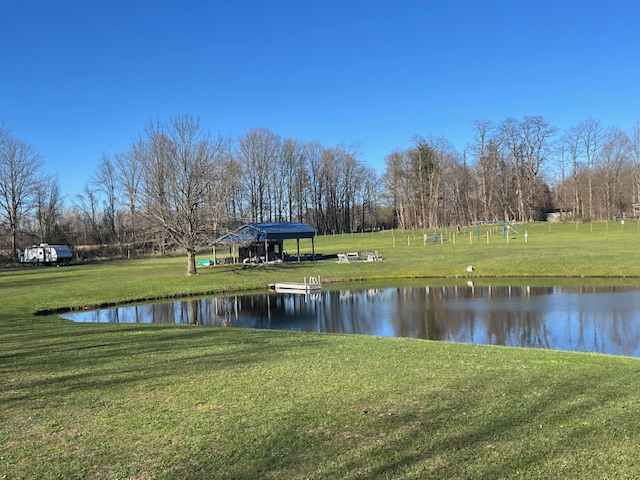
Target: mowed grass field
144 401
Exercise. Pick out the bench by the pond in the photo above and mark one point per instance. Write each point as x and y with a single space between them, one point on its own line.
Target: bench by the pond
353 257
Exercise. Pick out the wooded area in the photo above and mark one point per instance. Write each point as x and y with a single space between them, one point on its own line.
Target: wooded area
178 186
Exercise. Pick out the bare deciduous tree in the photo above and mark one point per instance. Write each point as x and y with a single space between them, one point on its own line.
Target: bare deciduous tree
19 165
88 204
259 150
129 173
590 133
48 208
614 154
106 182
177 161
635 156
573 146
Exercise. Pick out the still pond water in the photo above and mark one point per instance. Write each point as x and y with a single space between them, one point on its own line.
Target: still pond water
592 319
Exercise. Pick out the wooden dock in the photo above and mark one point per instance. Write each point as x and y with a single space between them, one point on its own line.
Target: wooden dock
311 284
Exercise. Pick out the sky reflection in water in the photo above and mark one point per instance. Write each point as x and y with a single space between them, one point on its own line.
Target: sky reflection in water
596 319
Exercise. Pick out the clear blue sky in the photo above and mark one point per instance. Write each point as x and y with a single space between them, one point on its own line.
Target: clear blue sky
78 79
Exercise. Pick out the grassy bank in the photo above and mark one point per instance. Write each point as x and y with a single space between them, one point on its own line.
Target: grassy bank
123 401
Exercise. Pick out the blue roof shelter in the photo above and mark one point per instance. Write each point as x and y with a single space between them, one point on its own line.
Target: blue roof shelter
266 239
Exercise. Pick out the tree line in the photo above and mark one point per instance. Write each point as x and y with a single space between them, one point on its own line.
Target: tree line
515 171
178 186
498 178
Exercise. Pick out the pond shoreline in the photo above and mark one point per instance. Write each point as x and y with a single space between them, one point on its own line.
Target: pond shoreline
554 315
331 281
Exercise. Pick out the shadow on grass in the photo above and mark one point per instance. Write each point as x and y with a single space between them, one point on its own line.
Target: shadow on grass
521 427
270 268
26 280
105 358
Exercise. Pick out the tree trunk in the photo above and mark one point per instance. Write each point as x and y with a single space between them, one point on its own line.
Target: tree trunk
191 262
133 230
14 243
590 198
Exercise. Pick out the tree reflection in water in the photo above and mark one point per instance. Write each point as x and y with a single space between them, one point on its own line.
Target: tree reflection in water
598 319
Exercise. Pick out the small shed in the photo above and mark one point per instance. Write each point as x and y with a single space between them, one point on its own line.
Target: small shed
265 241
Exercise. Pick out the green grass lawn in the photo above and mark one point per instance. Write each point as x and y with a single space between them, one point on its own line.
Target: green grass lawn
130 401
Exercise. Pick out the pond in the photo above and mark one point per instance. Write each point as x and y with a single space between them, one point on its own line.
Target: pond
589 319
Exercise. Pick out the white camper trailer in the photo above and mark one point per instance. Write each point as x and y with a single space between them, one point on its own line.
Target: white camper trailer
45 254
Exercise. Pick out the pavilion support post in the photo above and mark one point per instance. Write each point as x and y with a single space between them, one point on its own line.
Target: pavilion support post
266 250
313 249
298 245
214 255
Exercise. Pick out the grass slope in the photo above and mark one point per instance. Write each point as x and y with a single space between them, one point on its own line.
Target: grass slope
125 401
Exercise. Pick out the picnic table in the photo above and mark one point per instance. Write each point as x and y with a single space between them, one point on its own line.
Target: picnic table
350 257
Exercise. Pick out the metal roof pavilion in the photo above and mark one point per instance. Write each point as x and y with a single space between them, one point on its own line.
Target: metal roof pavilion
259 232
283 230
267 233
